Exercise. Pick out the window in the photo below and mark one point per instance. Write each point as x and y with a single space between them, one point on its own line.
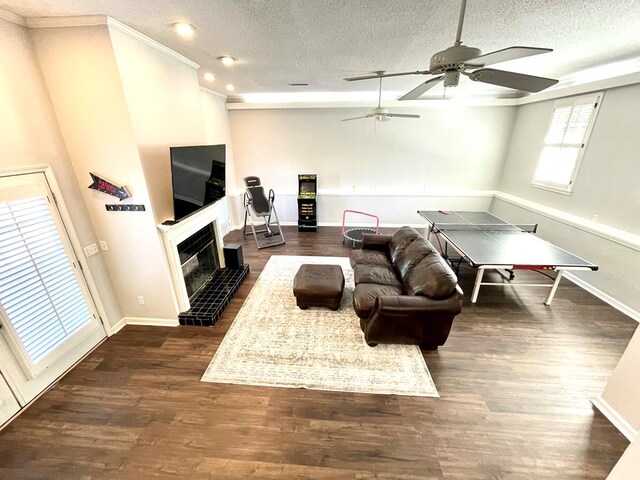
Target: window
42 303
565 142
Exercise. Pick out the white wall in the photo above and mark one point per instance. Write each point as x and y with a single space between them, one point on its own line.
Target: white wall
217 131
629 464
622 393
31 137
607 184
402 166
163 100
621 397
84 84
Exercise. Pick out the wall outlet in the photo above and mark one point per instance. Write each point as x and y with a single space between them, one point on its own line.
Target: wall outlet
91 250
594 218
141 300
103 245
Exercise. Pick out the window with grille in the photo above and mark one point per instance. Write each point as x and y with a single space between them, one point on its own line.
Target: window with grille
565 142
40 295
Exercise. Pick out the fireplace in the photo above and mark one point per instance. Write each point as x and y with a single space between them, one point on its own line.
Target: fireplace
194 247
198 259
194 250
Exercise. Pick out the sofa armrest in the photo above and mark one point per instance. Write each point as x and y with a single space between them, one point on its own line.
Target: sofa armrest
412 319
407 305
371 241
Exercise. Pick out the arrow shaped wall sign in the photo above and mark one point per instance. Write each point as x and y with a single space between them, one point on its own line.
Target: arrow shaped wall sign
105 186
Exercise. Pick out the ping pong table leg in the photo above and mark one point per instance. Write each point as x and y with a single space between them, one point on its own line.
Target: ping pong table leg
476 287
554 288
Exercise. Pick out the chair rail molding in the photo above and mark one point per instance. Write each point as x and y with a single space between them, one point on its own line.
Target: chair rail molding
622 237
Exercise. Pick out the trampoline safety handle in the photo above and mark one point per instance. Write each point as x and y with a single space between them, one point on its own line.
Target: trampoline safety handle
344 214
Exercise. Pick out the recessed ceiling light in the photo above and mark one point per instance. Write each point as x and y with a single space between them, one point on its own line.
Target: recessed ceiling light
230 87
184 29
227 61
209 77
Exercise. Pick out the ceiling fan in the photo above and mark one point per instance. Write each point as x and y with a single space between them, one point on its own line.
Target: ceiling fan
380 113
469 61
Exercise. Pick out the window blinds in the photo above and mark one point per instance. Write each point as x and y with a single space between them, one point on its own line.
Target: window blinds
564 142
39 291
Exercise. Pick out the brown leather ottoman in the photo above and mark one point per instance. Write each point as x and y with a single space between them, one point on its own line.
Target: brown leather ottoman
318 286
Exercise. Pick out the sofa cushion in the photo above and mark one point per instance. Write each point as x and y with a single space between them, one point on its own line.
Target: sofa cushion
401 240
369 257
432 277
380 274
365 294
411 256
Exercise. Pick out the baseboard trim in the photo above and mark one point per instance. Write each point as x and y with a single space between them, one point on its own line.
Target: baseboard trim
153 322
605 297
615 418
156 322
117 327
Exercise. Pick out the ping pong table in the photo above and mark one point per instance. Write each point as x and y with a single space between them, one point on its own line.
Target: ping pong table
487 242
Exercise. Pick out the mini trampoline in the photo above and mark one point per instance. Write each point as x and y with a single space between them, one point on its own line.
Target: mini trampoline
354 235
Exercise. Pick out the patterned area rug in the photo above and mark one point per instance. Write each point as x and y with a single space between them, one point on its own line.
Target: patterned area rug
274 343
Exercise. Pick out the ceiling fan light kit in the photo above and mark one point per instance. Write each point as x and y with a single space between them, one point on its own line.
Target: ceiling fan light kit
379 113
469 61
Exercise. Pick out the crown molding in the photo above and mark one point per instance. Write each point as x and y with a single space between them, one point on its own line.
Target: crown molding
469 102
61 22
121 27
236 103
213 92
94 20
13 18
568 91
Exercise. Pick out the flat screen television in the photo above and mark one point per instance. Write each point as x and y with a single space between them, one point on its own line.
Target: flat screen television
198 177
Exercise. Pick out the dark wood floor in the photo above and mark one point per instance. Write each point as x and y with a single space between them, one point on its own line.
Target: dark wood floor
515 379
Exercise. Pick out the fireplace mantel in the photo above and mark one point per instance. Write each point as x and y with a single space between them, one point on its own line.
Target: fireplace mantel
172 235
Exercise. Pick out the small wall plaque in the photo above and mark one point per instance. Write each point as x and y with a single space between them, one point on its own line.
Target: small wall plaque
105 186
124 207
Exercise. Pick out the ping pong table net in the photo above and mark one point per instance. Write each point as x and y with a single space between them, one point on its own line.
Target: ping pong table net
488 227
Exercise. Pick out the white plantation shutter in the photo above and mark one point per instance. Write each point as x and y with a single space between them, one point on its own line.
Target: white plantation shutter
565 141
39 289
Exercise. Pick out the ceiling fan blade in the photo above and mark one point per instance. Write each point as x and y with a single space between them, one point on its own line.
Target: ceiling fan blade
402 115
519 81
384 75
358 118
505 55
420 89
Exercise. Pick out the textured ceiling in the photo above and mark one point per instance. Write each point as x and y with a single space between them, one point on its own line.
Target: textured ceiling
289 41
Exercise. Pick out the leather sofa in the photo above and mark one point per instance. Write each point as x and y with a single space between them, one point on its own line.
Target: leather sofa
405 291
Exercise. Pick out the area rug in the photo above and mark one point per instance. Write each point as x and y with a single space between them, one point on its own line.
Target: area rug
274 343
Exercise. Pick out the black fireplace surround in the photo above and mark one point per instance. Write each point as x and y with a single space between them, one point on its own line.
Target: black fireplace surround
210 288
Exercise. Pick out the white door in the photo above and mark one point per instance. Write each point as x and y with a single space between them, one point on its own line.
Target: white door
47 318
8 403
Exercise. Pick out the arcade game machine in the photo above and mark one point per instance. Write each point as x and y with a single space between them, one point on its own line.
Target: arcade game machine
307 203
